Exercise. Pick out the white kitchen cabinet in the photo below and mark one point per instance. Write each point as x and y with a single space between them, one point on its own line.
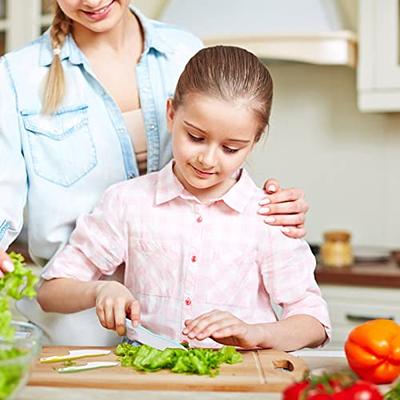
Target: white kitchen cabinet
22 21
350 306
379 58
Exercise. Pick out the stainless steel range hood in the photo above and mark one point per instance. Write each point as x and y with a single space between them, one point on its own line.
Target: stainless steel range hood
311 31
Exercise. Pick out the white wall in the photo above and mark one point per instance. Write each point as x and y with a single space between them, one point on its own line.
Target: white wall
151 8
347 162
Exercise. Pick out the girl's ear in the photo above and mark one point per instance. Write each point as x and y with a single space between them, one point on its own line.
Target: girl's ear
170 115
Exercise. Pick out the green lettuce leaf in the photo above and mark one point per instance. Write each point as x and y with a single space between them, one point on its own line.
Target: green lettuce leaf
193 361
14 285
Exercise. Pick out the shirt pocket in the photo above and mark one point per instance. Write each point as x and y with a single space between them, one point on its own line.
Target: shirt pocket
233 279
156 268
61 145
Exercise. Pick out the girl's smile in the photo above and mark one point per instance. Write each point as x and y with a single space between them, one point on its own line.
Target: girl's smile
99 14
202 174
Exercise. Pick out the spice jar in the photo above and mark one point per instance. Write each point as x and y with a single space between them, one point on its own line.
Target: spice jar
337 251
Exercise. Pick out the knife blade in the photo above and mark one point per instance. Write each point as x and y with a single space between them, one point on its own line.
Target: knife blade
146 336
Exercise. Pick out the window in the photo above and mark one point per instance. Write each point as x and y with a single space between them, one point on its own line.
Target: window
22 21
3 25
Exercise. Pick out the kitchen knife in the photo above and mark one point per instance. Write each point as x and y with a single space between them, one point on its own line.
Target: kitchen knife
145 336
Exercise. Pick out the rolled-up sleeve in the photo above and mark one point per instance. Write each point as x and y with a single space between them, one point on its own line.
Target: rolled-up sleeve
97 245
288 273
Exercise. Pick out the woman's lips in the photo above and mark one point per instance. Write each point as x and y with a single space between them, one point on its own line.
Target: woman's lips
100 13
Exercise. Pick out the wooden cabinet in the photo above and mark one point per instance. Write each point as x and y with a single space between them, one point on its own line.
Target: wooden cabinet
379 58
350 306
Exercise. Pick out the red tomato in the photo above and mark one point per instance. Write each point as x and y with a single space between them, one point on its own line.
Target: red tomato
341 387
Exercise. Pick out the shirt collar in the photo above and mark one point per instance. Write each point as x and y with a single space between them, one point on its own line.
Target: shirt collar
237 198
240 194
168 186
70 50
152 39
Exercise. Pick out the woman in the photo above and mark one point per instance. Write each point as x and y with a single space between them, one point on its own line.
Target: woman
81 108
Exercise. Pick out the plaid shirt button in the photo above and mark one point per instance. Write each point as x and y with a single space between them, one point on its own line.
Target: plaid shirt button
188 302
199 219
194 258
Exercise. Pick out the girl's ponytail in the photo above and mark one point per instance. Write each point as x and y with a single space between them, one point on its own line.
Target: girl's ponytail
55 84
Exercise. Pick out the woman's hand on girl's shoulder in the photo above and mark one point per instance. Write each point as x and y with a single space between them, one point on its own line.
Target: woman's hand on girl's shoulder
6 264
284 207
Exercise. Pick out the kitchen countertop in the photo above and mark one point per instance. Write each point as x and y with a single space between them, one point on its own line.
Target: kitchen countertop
316 360
363 274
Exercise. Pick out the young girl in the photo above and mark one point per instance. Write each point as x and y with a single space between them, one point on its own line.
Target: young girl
200 265
81 108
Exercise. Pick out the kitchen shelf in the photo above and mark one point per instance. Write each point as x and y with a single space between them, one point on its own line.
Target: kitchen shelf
330 48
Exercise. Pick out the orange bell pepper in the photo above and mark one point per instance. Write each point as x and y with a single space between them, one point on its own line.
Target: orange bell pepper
373 350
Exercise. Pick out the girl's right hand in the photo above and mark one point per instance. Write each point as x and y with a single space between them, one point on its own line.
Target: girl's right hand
6 264
113 303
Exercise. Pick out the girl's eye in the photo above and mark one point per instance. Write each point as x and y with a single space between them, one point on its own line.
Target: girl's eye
230 150
194 138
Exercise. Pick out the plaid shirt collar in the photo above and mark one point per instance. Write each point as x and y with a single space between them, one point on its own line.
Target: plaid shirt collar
238 196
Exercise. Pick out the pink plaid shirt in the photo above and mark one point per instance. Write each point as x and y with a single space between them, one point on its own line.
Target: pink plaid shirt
184 258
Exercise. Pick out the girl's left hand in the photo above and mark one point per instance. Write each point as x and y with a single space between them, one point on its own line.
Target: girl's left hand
284 207
223 327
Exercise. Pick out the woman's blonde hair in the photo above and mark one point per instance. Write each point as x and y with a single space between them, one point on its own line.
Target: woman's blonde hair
228 73
55 84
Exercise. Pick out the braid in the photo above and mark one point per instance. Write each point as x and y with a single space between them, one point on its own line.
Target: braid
55 85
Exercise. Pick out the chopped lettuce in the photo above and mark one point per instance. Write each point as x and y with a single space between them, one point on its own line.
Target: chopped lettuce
14 285
11 373
193 361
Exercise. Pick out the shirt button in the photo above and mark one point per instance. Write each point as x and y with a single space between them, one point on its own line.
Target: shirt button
194 258
188 302
199 219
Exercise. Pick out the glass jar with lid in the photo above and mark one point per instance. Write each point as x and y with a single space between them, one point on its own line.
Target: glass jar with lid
336 250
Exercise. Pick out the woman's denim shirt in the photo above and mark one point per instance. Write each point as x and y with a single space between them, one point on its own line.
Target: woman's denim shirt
59 165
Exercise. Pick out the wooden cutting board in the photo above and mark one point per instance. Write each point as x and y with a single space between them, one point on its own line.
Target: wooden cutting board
260 371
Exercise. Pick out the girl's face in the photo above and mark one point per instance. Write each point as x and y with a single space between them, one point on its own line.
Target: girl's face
95 15
211 139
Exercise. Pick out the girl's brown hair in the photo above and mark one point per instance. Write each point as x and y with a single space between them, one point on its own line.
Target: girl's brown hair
230 73
55 85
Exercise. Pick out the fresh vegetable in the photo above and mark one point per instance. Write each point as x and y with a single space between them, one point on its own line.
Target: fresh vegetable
393 393
192 361
85 367
10 375
335 386
75 355
373 351
14 285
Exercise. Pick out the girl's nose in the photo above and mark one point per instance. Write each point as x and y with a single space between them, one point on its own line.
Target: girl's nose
207 158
